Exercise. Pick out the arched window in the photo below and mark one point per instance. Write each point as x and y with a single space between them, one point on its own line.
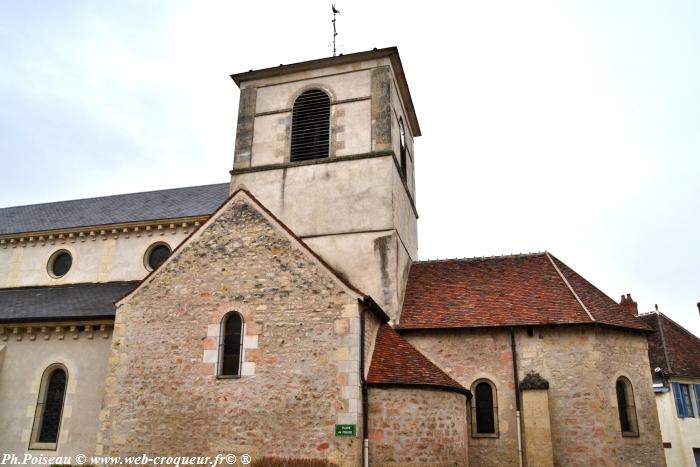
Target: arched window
230 344
49 408
484 409
402 147
625 407
311 123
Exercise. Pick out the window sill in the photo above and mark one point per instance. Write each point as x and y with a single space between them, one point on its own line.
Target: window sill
228 376
43 446
484 435
630 434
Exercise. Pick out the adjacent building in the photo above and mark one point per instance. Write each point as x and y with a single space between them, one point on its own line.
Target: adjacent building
674 355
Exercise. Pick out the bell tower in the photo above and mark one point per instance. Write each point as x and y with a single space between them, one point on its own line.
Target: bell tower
327 146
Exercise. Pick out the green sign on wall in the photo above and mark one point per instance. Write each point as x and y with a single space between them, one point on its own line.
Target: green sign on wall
345 430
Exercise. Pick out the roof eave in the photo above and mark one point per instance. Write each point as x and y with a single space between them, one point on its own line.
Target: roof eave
57 319
434 387
401 329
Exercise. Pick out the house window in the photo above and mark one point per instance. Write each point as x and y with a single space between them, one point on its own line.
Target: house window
60 263
231 345
156 255
311 124
484 409
49 408
402 147
684 404
625 407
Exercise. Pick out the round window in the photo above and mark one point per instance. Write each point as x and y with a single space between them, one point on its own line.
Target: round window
60 263
156 255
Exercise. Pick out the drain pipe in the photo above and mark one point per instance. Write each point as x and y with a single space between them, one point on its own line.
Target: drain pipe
517 397
365 401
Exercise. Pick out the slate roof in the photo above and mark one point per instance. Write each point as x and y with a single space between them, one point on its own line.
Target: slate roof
672 348
516 290
395 362
117 209
65 302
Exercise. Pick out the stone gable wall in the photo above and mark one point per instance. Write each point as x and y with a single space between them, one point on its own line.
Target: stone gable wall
300 359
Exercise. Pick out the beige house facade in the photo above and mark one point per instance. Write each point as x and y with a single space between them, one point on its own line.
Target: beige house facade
285 313
674 355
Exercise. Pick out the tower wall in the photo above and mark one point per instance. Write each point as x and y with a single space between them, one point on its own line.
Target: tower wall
353 207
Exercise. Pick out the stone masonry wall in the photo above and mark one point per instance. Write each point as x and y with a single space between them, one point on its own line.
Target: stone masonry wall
466 357
23 361
301 351
417 427
581 365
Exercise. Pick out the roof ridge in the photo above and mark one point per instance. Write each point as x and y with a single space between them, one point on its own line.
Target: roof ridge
477 258
663 343
561 275
585 280
112 196
678 325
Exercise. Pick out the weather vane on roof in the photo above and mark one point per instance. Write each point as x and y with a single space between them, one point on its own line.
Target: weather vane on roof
335 33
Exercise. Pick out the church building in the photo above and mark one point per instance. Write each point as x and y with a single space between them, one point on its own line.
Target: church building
285 314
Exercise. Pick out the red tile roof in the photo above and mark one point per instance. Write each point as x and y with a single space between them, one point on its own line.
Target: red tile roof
516 290
672 348
395 362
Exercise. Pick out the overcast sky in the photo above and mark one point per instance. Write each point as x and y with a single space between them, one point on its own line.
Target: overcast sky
572 127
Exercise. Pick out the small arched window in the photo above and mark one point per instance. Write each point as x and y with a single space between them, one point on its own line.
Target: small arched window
625 407
484 409
49 408
402 147
311 123
231 345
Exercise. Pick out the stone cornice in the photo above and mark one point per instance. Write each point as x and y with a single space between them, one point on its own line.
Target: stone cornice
56 330
150 227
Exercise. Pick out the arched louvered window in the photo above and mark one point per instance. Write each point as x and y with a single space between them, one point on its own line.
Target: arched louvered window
402 147
311 125
231 345
49 408
625 407
484 409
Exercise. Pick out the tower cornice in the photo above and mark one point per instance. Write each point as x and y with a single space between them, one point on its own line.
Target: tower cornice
392 53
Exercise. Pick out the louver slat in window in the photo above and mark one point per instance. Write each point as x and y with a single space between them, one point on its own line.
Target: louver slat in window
310 126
